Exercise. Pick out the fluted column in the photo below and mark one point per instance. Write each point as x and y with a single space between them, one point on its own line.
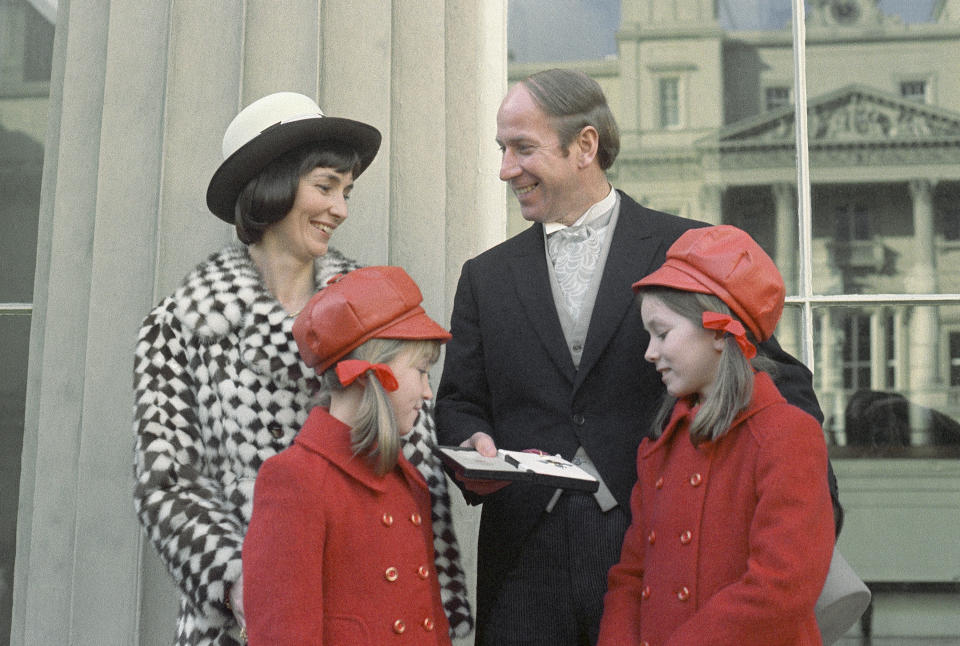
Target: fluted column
711 203
831 374
121 224
922 278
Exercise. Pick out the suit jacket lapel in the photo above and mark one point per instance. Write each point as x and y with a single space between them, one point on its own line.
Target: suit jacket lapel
529 267
631 257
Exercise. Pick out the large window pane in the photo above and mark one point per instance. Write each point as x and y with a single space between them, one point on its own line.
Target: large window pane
888 379
883 120
14 341
26 45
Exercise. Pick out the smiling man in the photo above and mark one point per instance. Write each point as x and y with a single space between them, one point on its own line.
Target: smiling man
547 353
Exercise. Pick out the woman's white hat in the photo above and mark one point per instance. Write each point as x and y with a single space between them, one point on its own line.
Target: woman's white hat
270 127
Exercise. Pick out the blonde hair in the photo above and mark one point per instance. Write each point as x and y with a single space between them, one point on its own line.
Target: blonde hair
733 386
375 432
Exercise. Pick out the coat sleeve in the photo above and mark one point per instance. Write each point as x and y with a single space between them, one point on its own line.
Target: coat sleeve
193 527
463 398
790 543
283 555
620 623
795 383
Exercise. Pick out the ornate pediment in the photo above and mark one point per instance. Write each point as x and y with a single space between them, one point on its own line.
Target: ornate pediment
854 114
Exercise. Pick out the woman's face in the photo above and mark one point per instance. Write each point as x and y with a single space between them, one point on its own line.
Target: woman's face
319 207
413 378
686 355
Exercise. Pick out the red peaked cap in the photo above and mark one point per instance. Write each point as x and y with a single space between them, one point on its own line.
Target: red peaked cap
725 261
367 303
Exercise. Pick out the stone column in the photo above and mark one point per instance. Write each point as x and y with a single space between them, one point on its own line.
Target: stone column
878 349
788 240
786 256
901 348
628 112
831 375
121 224
922 278
711 203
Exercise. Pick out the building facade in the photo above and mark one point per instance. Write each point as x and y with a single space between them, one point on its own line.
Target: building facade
861 217
862 220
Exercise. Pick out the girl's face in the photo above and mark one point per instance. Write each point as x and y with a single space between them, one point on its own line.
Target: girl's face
320 205
414 380
685 354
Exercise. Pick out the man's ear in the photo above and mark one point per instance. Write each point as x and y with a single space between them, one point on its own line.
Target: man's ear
585 145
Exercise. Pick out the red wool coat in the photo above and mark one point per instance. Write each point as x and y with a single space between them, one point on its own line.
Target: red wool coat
730 542
336 555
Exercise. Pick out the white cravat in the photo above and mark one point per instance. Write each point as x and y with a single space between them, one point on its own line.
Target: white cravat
575 251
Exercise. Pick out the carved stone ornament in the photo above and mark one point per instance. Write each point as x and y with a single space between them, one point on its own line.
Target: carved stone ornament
849 13
852 114
855 125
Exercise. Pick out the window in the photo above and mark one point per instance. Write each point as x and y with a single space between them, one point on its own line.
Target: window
856 352
38 52
954 343
25 56
915 90
776 97
852 222
670 102
27 50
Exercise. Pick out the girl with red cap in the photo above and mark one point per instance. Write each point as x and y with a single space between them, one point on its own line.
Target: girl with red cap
340 544
732 526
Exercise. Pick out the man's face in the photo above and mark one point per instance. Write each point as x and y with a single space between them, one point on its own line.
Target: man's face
542 175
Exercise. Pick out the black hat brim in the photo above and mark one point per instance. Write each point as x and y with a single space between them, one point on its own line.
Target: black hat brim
251 158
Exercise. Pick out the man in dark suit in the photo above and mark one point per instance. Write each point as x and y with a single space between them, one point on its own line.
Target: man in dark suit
547 353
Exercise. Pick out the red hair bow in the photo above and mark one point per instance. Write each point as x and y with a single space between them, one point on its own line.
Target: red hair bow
351 369
717 321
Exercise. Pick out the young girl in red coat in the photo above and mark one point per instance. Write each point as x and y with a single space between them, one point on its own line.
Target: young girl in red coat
340 545
732 526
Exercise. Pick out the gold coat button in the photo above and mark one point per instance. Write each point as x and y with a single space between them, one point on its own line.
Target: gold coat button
696 479
659 483
652 537
391 574
683 593
645 593
387 520
423 572
428 624
686 537
276 432
399 626
416 519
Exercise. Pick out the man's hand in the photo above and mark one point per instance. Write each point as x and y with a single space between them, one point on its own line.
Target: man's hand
484 445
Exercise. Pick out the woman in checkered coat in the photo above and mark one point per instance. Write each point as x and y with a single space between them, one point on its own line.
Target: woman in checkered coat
219 384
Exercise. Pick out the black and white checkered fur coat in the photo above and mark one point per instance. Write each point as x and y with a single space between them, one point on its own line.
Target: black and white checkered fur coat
220 388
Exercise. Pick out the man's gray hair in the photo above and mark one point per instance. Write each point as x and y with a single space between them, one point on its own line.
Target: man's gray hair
574 100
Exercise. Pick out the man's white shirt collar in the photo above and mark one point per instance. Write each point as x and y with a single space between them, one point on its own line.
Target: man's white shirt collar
592 213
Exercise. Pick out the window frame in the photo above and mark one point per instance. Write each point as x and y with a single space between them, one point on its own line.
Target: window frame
677 79
765 96
806 298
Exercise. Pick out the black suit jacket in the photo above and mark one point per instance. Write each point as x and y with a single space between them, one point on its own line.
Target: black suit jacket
508 373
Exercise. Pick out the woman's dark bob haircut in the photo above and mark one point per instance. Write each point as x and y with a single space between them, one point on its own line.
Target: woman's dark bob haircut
268 197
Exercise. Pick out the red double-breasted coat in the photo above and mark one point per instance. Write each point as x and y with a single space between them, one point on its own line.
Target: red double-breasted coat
731 541
337 555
